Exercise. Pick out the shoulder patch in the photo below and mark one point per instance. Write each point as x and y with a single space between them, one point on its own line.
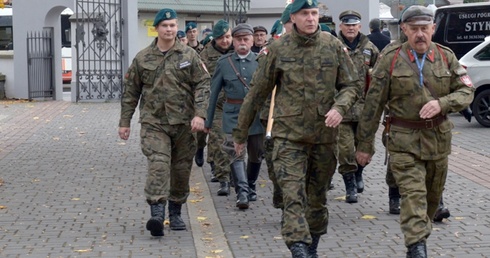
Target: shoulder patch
466 80
264 51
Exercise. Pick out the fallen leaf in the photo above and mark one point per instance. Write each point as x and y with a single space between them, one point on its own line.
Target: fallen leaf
207 239
35 180
121 143
459 218
368 217
56 138
340 198
75 199
83 250
217 251
166 222
69 116
3 207
244 237
201 218
35 118
195 201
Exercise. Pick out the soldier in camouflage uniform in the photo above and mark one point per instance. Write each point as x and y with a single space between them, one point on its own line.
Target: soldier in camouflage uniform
264 116
171 85
242 62
218 160
316 85
191 33
364 55
420 83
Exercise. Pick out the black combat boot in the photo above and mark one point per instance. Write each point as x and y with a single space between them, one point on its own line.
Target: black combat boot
176 222
350 187
359 181
214 179
155 223
241 183
441 212
299 250
417 250
199 158
253 170
312 253
394 196
224 189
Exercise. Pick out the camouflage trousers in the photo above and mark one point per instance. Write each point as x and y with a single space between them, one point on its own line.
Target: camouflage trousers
303 172
346 147
169 150
268 148
421 183
220 158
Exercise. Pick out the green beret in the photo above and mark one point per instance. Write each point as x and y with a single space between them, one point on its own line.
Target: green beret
350 17
206 40
190 26
220 28
286 15
181 34
418 15
324 27
276 28
164 14
303 4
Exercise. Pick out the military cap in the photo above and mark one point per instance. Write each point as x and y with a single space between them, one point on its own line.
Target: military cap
206 30
260 28
276 28
220 28
164 14
417 15
375 24
242 29
303 4
324 27
206 40
350 17
181 34
286 14
190 26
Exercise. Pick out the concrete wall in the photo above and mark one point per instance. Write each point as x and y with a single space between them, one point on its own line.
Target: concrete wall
7 69
30 16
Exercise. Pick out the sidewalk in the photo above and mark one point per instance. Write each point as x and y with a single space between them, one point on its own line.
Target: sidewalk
72 188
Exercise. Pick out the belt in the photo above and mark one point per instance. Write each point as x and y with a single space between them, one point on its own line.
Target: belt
420 124
234 101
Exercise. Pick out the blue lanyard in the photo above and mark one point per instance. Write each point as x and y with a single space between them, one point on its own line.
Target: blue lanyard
420 65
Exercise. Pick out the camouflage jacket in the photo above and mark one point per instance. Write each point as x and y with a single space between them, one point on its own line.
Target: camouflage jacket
399 89
308 72
225 79
364 57
199 48
210 56
171 88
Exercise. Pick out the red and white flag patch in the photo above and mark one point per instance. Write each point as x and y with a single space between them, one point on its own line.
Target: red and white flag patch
466 80
264 51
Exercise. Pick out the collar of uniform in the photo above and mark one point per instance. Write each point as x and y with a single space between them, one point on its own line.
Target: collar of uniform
178 46
303 39
430 53
249 57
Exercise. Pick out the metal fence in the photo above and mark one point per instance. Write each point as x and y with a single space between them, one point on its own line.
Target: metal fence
40 64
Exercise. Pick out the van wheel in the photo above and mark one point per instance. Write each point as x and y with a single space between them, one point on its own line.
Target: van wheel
481 108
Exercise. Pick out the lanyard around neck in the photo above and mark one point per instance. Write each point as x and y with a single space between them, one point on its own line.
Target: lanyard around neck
420 65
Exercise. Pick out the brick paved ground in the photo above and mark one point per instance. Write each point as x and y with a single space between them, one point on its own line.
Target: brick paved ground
71 188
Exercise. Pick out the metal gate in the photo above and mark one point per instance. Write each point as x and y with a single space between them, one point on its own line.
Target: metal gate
99 53
40 64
